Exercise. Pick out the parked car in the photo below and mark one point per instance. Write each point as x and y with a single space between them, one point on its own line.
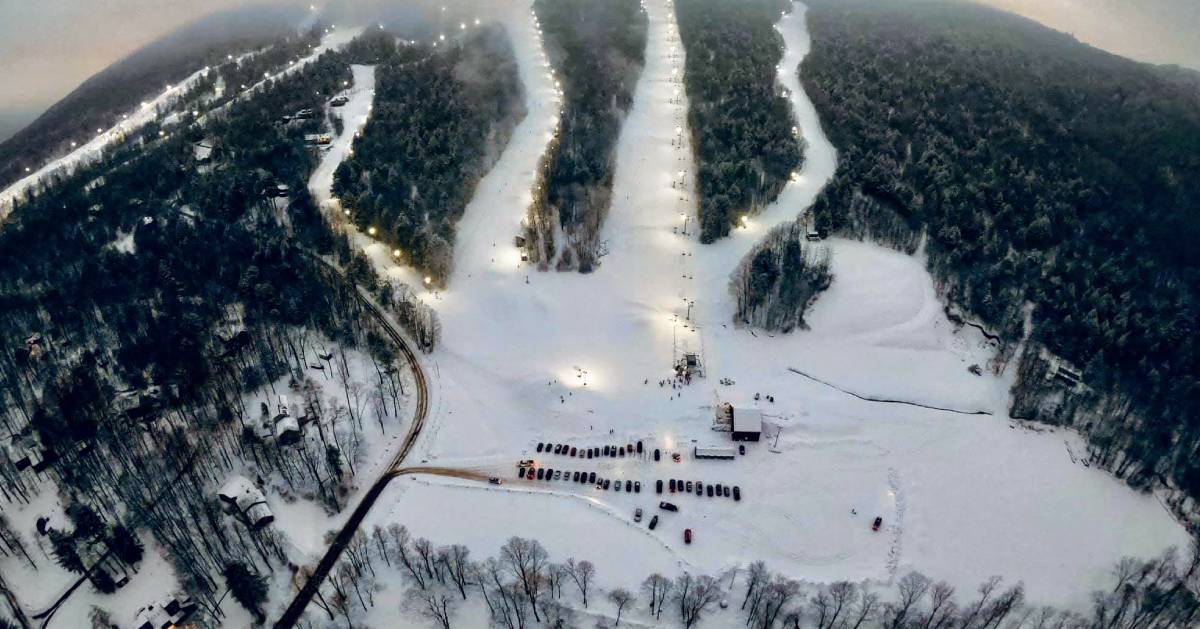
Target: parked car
540 446
658 486
590 452
541 473
675 457
526 463
549 473
666 506
671 484
605 450
493 480
338 101
629 448
520 472
592 477
607 483
687 536
699 488
621 451
573 450
690 486
558 448
741 448
557 474
657 454
877 524
612 453
653 522
639 447
617 486
637 514
628 485
709 490
637 486
718 490
576 477
529 475
727 491
737 493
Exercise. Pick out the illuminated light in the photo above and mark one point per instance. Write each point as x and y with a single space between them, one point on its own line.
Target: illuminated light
72 144
476 21
195 113
395 253
229 56
462 26
26 169
428 280
441 37
372 231
346 212
745 219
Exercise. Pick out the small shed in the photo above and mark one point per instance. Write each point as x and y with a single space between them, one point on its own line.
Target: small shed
715 452
747 424
169 612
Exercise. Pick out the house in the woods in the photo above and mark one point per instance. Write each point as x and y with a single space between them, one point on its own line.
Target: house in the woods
168 613
743 422
101 564
140 404
27 451
286 422
241 498
811 232
1062 372
278 190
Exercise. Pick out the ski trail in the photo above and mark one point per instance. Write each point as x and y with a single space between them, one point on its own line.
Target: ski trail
149 111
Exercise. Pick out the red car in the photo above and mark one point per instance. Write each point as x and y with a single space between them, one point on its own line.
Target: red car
877 524
687 536
530 474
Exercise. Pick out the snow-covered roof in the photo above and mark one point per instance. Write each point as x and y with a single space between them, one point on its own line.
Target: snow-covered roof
248 499
714 452
747 419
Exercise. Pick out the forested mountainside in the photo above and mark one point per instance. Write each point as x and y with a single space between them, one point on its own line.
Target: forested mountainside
144 296
1040 170
441 117
102 99
598 50
741 124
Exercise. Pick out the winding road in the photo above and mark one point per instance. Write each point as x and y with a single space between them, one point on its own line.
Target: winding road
393 470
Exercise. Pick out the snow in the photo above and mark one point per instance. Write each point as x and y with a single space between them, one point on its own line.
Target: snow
531 357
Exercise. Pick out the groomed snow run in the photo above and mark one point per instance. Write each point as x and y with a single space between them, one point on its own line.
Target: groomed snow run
532 357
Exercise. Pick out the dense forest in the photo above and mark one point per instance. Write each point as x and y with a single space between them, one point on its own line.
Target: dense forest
1038 170
776 283
101 100
145 295
597 50
741 124
440 119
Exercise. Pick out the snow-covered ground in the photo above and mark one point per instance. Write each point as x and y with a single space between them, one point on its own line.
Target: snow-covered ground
531 357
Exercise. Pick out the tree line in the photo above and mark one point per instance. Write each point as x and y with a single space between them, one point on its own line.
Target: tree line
741 123
775 283
522 586
1037 170
598 50
440 119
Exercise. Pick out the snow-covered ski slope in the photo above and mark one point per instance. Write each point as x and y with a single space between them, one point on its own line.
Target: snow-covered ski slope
148 112
531 357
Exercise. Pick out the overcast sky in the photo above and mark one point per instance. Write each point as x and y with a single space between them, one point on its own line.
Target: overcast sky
48 47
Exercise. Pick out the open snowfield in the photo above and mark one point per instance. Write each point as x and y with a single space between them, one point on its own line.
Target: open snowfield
531 357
